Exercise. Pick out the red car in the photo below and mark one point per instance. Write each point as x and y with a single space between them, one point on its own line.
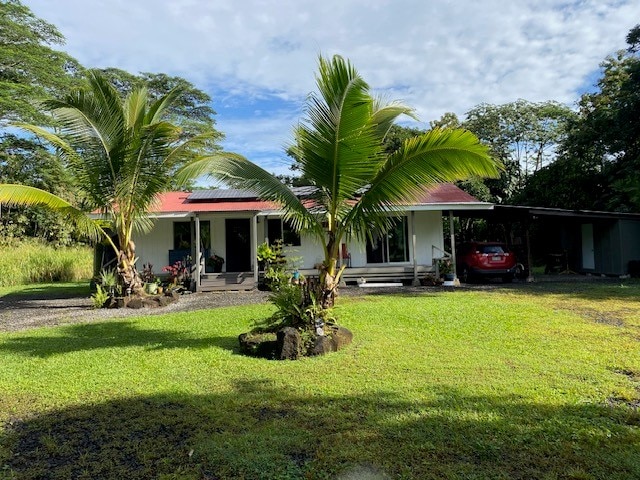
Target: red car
485 260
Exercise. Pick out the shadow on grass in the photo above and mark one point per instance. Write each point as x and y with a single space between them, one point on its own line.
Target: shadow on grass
50 291
258 431
113 334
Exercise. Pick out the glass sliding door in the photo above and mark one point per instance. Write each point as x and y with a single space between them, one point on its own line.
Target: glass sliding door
392 247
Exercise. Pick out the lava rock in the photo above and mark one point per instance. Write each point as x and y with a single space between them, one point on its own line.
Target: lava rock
135 303
322 346
289 344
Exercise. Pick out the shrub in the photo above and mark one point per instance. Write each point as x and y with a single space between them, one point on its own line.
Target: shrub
297 307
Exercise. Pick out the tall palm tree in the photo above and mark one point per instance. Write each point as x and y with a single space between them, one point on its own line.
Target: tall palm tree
122 154
339 148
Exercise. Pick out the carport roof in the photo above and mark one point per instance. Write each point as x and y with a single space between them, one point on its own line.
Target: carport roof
522 212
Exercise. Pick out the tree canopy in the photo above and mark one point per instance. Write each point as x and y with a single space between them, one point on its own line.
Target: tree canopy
601 151
30 68
123 152
523 135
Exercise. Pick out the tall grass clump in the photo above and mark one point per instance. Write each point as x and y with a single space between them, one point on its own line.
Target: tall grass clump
31 261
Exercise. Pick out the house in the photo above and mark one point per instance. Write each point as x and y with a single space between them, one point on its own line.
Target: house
232 223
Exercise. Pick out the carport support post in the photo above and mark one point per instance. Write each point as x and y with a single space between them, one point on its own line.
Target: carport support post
453 244
529 260
254 241
198 253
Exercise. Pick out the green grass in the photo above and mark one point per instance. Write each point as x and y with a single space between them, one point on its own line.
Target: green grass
541 382
35 262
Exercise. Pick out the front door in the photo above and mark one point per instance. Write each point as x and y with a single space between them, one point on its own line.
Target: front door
238 244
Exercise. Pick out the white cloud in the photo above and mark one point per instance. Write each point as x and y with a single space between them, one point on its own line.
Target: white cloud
437 56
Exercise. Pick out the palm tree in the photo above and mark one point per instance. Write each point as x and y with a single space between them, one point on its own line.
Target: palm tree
122 154
339 149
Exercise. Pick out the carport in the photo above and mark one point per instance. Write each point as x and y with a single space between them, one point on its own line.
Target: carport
580 241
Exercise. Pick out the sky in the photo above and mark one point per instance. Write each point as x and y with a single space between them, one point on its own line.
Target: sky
257 58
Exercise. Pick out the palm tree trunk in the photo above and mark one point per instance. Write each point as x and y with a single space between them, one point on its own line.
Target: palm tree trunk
129 277
329 275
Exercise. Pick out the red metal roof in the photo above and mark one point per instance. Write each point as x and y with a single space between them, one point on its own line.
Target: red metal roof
445 193
175 202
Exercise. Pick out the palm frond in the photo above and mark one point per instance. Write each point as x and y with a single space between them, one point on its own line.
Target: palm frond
435 157
385 114
30 196
336 144
159 108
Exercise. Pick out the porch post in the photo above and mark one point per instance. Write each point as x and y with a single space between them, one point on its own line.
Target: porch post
198 253
529 261
254 249
453 244
416 282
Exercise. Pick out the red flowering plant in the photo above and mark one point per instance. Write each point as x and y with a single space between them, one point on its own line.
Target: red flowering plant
179 272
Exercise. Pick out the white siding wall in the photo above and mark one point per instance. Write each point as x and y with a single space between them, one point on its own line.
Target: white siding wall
309 251
154 247
428 229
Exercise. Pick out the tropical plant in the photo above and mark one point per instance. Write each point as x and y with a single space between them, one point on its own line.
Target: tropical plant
274 263
100 297
122 153
339 148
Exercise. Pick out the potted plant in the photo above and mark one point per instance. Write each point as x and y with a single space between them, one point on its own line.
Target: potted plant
149 278
215 262
445 266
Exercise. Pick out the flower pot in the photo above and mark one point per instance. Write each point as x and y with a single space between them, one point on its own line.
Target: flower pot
151 288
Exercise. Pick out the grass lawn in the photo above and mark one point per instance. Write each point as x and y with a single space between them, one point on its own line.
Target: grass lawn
539 382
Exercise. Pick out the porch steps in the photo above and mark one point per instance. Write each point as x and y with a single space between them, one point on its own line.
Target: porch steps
227 281
386 274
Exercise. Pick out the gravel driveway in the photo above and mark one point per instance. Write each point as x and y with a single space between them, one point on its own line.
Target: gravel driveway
20 312
24 311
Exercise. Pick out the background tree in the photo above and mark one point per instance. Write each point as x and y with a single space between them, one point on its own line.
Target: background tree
599 164
27 162
30 71
123 153
191 111
340 149
523 135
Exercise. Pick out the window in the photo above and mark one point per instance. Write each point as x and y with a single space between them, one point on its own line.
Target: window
181 235
281 229
392 247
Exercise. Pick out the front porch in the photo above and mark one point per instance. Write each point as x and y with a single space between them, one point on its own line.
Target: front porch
211 282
